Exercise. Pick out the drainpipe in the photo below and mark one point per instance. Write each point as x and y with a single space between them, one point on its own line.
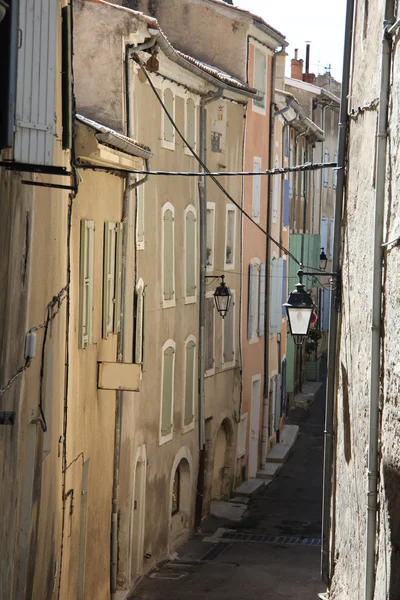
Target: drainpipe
333 323
202 302
373 443
130 186
271 152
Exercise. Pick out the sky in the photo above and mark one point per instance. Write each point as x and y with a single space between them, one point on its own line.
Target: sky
317 21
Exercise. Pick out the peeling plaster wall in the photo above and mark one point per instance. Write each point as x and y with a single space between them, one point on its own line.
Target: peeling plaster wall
353 364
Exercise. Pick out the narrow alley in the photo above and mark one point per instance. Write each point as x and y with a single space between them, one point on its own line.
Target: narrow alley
242 569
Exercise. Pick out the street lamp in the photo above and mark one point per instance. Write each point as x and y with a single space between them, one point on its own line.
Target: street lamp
222 296
323 259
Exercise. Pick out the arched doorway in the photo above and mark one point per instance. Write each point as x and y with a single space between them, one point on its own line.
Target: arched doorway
180 504
222 462
138 514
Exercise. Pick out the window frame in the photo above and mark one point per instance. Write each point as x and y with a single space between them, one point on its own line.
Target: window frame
109 264
189 426
165 143
256 106
163 439
190 299
211 207
172 301
86 292
230 209
231 363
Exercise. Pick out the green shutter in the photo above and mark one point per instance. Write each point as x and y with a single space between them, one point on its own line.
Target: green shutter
169 105
108 277
118 277
166 416
86 283
168 257
190 254
189 382
139 325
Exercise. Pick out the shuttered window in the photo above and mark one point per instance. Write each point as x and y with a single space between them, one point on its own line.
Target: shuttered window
229 333
35 87
260 67
261 302
86 276
108 278
139 321
275 317
209 334
190 253
335 157
275 203
252 316
118 277
191 123
168 255
331 237
167 390
168 129
140 217
326 171
210 234
255 210
303 176
189 382
230 236
324 233
291 174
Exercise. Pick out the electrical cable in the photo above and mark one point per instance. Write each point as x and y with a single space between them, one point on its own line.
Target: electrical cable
213 177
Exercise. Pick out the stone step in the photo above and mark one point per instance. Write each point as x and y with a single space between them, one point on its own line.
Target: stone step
249 488
269 471
227 510
280 451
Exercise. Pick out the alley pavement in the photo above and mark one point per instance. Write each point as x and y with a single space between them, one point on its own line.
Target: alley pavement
274 552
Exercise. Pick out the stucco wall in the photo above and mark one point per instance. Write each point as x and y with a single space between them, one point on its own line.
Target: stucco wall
349 500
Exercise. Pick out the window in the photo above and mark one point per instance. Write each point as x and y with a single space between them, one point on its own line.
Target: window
140 217
190 362
242 436
139 322
260 69
218 126
168 133
253 300
326 171
190 254
176 489
190 124
86 283
275 316
209 335
228 355
276 194
167 397
112 277
230 237
168 255
210 235
335 157
255 210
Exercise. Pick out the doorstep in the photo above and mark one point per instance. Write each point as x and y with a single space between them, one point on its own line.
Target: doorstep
249 488
280 451
231 511
269 471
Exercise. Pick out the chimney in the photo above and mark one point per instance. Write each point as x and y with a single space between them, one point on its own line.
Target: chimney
307 76
296 66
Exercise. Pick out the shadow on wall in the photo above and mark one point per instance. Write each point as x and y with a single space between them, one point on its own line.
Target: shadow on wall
346 415
392 492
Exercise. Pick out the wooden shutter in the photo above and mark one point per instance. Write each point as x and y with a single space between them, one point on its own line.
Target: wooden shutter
168 255
324 234
326 171
119 234
209 334
190 122
190 254
276 295
255 213
108 277
260 66
168 127
252 315
166 416
140 215
86 283
291 174
35 95
261 302
229 324
139 305
189 382
332 237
